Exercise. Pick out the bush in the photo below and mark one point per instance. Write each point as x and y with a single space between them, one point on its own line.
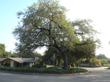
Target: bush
50 70
39 66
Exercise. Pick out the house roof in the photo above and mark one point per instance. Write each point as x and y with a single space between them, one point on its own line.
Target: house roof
28 59
1 59
20 60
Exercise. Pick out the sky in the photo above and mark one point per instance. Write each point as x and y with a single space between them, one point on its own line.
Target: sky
96 10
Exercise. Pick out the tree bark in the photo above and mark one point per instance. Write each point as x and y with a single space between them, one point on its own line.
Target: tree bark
65 66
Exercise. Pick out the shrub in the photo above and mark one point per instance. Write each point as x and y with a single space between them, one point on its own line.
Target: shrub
39 66
50 70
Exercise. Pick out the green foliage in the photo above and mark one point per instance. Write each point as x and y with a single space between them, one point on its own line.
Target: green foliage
2 50
11 54
37 55
101 56
84 28
95 62
39 64
4 53
104 60
85 49
51 70
45 24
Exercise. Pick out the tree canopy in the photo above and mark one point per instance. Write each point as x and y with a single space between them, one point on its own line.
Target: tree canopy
2 50
45 24
4 53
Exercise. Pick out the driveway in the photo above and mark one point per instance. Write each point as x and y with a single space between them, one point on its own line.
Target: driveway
94 69
92 76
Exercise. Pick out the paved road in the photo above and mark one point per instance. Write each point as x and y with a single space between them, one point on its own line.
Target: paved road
92 76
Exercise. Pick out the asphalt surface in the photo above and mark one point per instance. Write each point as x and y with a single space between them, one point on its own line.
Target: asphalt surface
94 75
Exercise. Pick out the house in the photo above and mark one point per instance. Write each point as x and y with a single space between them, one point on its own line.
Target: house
1 59
18 62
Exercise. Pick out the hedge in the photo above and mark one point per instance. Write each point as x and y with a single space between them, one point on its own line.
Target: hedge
50 70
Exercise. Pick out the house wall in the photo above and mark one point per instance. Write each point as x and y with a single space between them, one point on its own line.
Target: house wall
31 64
10 63
6 63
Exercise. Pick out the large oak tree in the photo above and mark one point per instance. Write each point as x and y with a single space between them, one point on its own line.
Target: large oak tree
45 24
